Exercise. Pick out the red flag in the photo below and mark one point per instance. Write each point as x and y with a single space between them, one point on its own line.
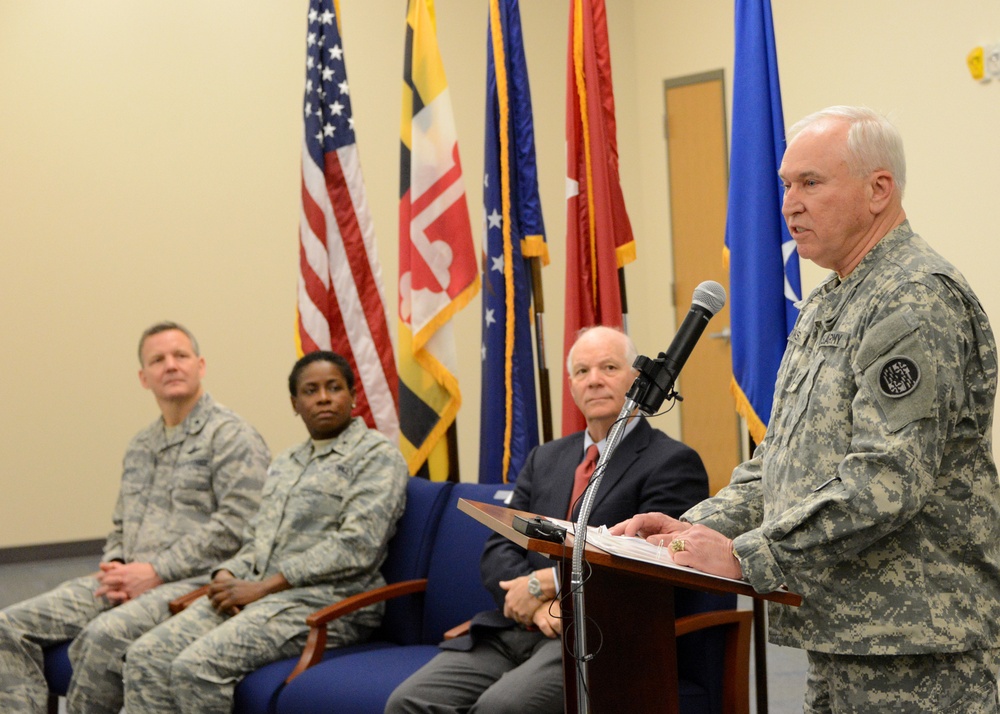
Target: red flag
341 305
598 233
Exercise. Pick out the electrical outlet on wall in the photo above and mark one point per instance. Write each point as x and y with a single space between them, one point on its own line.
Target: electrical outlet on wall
991 61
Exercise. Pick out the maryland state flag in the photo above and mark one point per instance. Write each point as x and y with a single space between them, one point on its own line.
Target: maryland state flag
763 265
438 274
598 233
513 232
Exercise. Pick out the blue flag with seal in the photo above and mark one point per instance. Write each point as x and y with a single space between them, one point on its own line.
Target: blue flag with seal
763 265
514 232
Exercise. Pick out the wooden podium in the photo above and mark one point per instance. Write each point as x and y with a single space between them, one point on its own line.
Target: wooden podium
632 602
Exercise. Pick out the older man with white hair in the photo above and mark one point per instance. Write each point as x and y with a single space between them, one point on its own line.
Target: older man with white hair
512 660
874 493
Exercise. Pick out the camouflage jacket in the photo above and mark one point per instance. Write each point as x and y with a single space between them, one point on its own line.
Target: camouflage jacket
326 517
874 493
185 501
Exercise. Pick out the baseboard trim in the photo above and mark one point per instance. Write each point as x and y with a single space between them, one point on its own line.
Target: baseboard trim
51 551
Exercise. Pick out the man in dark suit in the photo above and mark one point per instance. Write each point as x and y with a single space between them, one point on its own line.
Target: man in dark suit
512 659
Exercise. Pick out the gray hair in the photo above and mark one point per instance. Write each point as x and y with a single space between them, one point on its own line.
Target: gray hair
166 326
873 143
630 351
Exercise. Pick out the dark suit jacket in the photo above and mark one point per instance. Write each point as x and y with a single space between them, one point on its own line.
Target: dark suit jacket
649 471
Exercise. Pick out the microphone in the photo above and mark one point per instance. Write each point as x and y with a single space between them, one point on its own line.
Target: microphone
656 377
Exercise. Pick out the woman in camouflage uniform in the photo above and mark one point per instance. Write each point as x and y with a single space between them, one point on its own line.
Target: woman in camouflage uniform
328 509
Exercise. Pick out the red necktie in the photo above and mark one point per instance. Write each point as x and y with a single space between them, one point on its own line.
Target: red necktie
582 477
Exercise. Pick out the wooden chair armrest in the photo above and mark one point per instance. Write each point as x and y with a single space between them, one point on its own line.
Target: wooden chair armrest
458 630
312 653
736 666
701 620
180 603
369 597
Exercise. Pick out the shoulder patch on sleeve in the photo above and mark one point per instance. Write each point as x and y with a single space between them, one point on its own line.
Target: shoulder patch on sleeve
903 383
898 376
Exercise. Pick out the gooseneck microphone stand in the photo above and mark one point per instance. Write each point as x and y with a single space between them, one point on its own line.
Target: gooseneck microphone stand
654 384
579 544
647 393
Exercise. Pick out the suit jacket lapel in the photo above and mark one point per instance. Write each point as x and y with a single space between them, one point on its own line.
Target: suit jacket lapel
625 456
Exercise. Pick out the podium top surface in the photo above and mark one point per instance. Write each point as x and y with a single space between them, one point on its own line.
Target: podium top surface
500 519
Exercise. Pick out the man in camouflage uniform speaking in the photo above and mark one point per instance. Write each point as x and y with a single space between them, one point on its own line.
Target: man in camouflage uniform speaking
190 483
874 493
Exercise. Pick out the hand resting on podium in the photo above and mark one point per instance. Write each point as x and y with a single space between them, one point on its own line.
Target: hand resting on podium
694 545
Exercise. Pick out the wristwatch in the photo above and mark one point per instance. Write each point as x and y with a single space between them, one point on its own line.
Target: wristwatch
535 587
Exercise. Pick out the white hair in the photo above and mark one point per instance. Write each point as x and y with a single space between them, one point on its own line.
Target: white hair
873 142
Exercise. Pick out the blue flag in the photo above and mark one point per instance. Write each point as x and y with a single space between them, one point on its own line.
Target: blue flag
514 233
764 278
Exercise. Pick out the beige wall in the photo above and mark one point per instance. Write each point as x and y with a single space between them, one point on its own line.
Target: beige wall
149 159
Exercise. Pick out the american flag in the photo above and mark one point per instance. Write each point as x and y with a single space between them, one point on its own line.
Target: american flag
341 304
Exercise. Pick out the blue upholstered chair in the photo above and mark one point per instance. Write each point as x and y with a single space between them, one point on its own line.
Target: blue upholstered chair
406 564
713 662
361 681
434 540
58 672
713 653
713 638
408 559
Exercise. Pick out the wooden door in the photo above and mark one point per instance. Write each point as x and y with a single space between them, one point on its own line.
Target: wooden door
697 162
